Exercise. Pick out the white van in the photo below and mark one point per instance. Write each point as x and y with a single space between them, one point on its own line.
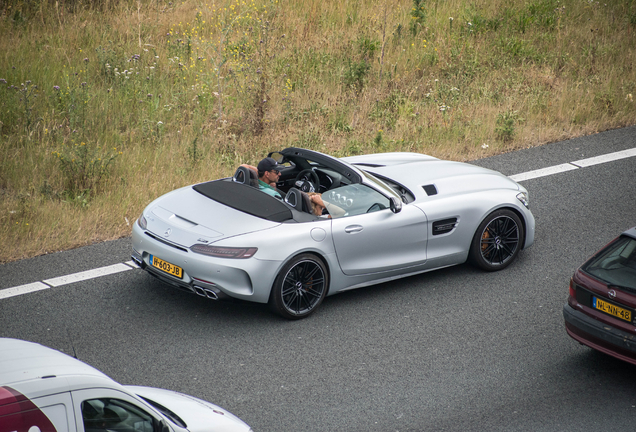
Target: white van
44 390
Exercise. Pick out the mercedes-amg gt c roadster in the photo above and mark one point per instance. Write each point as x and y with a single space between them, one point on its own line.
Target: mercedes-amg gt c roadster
387 216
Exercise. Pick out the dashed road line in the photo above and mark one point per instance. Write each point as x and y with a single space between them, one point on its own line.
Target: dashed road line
543 172
65 280
583 163
88 274
23 289
129 265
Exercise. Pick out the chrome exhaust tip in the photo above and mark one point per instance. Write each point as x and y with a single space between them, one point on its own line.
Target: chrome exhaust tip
206 292
211 294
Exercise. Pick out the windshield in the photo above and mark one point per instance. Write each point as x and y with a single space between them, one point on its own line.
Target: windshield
379 183
616 265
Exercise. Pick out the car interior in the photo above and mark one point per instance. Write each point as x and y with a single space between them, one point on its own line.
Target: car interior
115 415
306 171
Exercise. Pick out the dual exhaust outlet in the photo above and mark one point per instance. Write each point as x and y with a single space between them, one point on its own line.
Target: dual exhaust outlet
206 292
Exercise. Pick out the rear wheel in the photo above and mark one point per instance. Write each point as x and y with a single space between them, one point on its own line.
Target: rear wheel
300 287
497 241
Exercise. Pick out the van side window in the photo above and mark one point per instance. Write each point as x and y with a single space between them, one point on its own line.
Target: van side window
114 415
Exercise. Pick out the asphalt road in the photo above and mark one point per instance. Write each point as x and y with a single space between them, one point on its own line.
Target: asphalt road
456 349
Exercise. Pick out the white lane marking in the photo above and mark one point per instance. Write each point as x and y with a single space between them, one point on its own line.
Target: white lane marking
583 163
129 265
23 289
64 280
605 158
88 274
543 172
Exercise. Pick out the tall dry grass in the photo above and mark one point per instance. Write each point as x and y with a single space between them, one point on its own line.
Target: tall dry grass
106 105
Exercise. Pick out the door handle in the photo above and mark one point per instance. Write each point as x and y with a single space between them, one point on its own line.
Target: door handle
353 229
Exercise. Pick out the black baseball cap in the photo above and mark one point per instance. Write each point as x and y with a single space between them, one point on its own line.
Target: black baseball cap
269 164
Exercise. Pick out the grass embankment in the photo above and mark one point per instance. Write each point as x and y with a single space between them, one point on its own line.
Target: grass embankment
106 105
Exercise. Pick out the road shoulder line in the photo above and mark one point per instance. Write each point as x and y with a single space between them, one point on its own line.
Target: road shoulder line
569 166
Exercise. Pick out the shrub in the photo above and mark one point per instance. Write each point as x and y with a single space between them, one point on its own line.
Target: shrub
84 166
356 74
418 17
506 121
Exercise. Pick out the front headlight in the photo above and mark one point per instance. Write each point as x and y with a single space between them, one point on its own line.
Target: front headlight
524 198
142 222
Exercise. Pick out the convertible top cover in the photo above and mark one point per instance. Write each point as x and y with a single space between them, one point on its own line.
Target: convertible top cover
245 198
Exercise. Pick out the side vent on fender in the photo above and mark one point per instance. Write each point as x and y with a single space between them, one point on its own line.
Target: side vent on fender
430 189
444 226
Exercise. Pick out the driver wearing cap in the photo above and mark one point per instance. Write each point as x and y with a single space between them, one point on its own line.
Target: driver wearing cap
268 173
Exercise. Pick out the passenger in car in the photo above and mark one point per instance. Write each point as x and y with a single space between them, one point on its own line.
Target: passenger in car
268 171
317 204
320 209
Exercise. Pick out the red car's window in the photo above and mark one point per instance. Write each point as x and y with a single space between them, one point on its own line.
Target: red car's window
616 264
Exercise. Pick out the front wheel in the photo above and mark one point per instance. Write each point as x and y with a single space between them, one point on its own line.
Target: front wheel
300 287
497 241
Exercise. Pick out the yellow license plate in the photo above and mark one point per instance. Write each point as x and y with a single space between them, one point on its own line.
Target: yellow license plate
166 266
611 309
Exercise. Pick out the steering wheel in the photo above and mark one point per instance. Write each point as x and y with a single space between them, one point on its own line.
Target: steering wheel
307 181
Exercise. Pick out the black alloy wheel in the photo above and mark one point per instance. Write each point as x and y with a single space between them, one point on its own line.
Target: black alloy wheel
497 241
300 287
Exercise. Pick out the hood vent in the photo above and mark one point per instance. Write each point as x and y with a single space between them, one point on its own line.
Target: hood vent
430 189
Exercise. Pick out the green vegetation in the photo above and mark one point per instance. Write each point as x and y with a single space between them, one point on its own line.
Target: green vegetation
105 105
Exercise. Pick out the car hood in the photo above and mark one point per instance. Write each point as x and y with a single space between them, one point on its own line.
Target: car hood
388 159
415 171
197 414
186 217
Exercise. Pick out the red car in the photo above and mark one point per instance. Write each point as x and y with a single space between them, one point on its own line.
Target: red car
601 307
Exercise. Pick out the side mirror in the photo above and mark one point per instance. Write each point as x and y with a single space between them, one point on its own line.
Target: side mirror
396 204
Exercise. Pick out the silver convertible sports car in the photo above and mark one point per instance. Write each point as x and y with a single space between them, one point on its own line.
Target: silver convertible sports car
387 216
